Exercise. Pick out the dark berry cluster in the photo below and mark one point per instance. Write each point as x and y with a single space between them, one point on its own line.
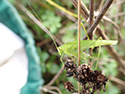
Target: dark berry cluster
69 86
70 67
83 74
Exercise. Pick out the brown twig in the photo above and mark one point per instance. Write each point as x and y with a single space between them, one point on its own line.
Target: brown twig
55 88
55 77
69 16
38 23
110 48
119 14
79 38
117 80
43 42
91 17
79 31
47 90
121 70
117 3
101 4
116 27
99 32
85 14
114 24
99 17
84 10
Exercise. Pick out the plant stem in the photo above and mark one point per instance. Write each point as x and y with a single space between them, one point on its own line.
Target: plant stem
79 37
100 33
61 8
55 77
98 54
85 31
79 32
91 17
40 24
99 17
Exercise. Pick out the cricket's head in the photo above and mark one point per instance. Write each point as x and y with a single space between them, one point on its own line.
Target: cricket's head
60 51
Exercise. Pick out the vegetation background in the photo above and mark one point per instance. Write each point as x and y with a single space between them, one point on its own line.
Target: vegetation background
64 27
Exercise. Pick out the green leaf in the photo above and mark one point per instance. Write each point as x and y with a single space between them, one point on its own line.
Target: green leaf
53 68
71 48
69 36
51 21
44 56
110 89
110 69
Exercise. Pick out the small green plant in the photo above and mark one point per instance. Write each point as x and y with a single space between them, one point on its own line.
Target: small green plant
51 21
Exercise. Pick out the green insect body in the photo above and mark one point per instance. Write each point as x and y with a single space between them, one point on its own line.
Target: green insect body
71 48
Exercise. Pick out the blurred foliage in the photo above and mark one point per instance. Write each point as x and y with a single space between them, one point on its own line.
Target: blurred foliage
51 21
56 22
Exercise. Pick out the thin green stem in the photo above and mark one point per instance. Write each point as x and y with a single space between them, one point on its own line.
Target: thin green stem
85 31
98 54
61 8
62 57
40 25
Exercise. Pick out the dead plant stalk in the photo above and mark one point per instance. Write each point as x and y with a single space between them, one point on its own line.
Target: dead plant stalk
79 37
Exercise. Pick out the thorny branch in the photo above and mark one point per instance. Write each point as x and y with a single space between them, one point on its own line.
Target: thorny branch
99 32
